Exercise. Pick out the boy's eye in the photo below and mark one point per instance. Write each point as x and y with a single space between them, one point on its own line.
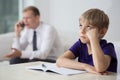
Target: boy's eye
80 25
88 27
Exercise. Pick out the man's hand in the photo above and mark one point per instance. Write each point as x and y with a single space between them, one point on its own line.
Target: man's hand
18 28
13 54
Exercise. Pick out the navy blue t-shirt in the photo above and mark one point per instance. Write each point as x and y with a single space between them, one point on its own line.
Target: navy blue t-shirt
80 50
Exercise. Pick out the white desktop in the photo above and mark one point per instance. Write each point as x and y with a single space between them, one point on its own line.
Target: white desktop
20 72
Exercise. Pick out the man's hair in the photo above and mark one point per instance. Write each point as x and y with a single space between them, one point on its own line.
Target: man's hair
96 17
33 9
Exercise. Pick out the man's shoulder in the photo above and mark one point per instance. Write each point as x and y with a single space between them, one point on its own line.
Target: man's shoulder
47 26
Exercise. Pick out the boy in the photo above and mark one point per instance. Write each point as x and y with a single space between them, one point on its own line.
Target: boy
94 54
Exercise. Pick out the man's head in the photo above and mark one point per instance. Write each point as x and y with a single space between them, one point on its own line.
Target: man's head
94 18
31 17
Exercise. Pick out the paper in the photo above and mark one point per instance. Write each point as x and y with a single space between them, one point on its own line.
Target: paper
52 67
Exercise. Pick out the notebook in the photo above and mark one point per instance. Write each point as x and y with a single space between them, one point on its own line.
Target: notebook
51 67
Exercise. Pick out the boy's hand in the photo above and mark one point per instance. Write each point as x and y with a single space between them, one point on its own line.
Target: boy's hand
91 69
92 33
13 54
105 73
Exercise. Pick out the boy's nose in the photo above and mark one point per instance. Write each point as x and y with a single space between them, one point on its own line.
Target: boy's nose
83 30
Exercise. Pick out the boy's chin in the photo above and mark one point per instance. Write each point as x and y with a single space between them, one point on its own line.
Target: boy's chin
84 41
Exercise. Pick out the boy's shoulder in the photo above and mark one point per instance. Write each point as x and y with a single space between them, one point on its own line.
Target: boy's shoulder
104 42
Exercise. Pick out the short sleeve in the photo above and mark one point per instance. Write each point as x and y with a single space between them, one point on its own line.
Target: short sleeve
108 49
75 48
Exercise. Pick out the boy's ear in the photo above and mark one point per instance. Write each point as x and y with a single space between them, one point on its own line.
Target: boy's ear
103 32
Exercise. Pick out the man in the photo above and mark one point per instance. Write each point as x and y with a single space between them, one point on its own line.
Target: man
43 38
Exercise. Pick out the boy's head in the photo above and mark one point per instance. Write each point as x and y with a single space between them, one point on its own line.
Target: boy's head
94 18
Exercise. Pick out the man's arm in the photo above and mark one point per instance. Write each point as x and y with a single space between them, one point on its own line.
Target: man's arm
20 40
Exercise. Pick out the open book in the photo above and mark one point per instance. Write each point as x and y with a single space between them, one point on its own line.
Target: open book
53 68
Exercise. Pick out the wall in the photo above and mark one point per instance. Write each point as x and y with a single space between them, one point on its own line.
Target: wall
64 15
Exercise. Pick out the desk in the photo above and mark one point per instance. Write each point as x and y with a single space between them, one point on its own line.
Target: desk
20 72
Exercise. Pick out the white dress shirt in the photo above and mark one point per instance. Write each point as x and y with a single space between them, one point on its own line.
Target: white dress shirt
48 43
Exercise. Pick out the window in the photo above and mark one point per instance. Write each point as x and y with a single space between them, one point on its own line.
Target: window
8 15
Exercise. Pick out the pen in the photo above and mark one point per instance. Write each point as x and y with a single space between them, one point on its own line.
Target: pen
43 65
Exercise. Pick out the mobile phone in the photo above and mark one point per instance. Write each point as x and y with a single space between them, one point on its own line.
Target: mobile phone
22 25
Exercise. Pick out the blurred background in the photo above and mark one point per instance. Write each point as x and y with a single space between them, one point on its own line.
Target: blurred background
62 14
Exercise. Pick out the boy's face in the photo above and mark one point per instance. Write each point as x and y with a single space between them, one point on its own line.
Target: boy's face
82 32
88 32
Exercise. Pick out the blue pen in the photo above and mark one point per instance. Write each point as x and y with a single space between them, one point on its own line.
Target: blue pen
43 65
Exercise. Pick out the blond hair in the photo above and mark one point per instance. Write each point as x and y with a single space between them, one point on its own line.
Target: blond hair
96 17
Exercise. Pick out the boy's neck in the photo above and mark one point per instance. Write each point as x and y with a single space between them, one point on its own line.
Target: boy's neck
89 49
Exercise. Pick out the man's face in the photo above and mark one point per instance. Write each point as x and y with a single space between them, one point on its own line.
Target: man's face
29 19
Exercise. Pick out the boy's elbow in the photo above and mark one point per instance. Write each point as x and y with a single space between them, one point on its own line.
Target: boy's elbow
59 62
99 70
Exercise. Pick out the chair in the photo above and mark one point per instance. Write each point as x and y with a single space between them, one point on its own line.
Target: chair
117 49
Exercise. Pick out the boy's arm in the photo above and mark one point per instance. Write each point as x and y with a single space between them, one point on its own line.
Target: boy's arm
100 60
66 60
